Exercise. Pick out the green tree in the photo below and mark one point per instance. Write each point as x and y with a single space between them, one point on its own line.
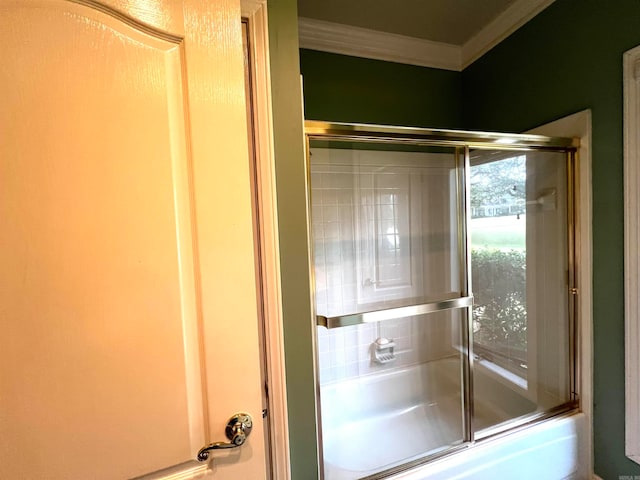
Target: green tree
498 182
499 288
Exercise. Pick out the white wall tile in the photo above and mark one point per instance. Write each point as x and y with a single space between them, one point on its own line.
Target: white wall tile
343 210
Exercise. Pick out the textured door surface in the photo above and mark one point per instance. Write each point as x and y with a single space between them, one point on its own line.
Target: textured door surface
127 290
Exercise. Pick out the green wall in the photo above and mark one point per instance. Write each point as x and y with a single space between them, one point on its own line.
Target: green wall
292 227
340 88
566 59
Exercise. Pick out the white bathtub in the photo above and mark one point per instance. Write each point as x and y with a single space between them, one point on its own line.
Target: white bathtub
378 421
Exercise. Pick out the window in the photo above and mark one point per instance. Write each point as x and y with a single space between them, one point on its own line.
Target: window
498 259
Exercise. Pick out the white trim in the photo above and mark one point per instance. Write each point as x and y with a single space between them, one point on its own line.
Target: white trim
631 256
390 47
362 42
500 28
256 12
248 8
190 470
579 125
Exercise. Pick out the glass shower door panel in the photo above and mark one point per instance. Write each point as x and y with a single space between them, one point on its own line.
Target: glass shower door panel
385 236
385 227
519 266
379 411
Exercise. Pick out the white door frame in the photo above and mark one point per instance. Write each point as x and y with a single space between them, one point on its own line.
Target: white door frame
256 12
631 257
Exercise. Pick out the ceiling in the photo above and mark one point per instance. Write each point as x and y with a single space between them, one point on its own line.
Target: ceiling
446 21
448 34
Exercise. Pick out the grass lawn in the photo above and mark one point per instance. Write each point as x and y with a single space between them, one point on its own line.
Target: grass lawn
501 233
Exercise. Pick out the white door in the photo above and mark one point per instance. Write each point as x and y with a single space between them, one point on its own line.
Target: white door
128 319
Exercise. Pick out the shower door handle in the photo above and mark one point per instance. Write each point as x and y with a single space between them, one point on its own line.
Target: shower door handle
238 429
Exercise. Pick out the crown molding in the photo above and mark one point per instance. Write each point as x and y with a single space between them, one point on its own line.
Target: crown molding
500 28
362 42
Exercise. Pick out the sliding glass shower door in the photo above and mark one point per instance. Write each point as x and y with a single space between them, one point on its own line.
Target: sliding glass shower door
389 282
442 294
521 275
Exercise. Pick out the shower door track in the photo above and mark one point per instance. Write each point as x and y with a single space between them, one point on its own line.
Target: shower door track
435 137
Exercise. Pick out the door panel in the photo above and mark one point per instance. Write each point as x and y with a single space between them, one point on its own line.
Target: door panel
111 232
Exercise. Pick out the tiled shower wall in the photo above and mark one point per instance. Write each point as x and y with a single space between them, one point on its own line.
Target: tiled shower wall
357 202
